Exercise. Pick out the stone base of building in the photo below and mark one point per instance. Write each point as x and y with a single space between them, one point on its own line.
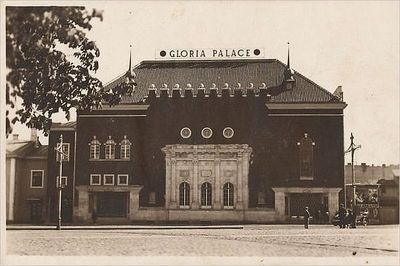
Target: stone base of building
161 215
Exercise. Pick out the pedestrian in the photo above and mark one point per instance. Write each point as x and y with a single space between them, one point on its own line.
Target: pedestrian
342 216
306 218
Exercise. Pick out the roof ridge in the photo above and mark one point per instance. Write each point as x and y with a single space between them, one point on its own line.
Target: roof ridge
206 60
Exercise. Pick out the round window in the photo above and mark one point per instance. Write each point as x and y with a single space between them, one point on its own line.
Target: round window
186 132
228 132
206 132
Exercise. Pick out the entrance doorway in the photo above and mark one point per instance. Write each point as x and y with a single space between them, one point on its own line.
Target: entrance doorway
298 201
112 204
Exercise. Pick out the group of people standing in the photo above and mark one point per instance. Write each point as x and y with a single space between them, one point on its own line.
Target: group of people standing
346 218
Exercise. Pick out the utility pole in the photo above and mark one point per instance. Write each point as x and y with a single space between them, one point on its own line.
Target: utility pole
352 149
61 154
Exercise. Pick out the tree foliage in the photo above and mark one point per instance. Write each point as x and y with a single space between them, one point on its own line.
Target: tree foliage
41 75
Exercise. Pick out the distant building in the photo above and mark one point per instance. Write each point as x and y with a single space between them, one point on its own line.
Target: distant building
389 199
204 140
369 174
377 189
26 180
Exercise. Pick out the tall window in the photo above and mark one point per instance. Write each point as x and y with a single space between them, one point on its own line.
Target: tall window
110 148
125 148
65 149
206 194
184 194
228 195
94 148
306 156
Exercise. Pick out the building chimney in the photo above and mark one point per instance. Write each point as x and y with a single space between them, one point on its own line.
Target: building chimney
15 136
34 134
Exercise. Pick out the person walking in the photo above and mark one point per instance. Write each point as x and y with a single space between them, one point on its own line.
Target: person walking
306 218
342 216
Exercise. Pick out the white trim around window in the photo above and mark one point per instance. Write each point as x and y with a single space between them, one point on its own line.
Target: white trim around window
42 176
105 179
119 183
95 183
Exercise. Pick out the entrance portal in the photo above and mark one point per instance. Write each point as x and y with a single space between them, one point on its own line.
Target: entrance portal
196 176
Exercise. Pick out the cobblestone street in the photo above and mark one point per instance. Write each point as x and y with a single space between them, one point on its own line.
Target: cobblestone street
252 240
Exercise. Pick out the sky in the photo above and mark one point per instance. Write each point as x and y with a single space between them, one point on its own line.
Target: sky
352 44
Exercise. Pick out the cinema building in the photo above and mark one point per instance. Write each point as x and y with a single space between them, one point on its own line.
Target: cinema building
247 140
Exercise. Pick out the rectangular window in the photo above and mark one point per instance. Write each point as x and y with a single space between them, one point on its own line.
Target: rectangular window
65 150
64 181
108 180
95 179
37 177
122 180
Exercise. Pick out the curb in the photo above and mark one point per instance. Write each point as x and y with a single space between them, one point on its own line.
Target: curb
63 228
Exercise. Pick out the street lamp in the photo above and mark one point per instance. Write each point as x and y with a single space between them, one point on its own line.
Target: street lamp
59 184
352 149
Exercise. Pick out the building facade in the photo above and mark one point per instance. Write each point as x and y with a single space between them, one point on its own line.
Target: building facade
26 180
207 141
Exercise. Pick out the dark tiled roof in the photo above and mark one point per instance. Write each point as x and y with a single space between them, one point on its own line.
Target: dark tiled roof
256 71
25 149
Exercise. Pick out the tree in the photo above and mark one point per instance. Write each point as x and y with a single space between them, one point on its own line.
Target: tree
41 75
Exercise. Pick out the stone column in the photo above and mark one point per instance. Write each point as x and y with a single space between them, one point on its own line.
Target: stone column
11 191
333 203
83 204
167 179
195 188
245 181
133 202
217 186
174 199
239 198
280 205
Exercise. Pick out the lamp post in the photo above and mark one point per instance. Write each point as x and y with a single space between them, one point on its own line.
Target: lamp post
352 149
60 152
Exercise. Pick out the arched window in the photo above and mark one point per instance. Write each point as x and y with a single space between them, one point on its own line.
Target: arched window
184 194
228 194
94 148
110 148
306 156
125 148
206 194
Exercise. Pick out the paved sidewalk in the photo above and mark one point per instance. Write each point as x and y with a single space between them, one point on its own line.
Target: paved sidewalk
120 227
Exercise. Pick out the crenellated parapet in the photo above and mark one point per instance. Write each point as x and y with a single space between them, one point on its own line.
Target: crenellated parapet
202 90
